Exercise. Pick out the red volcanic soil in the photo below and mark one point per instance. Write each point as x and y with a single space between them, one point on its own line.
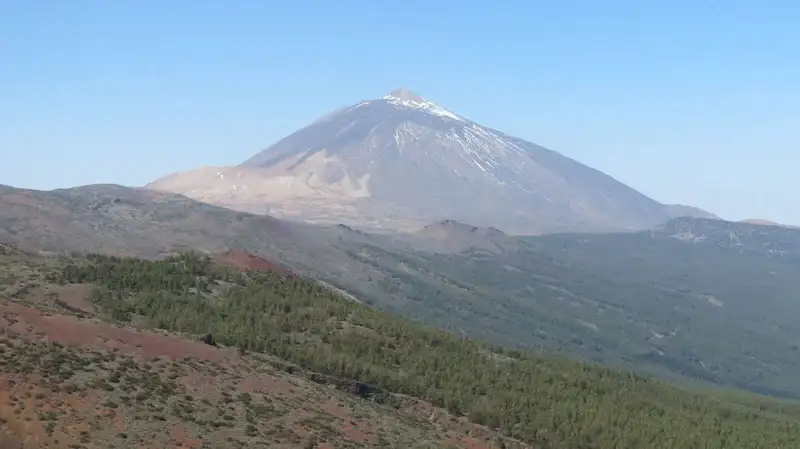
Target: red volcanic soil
298 405
73 331
248 261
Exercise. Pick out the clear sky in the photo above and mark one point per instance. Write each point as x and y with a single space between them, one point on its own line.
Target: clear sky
688 101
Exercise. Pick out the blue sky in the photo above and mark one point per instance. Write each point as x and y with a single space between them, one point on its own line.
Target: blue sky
694 102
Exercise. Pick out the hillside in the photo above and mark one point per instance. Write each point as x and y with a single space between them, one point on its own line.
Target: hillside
715 307
121 220
756 238
400 162
74 377
118 220
656 301
135 382
450 236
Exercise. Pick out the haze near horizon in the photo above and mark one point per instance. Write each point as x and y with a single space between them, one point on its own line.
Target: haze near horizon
687 103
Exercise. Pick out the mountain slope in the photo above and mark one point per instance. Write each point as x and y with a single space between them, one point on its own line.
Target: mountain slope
760 238
109 369
449 236
401 161
75 374
616 298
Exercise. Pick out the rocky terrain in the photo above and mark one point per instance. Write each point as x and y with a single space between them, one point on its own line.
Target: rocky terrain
401 161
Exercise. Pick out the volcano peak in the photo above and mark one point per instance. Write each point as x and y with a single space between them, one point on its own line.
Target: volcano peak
405 95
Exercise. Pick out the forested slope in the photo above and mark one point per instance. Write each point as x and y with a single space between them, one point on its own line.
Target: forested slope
542 399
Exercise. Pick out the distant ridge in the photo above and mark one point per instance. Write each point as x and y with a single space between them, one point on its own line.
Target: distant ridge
759 221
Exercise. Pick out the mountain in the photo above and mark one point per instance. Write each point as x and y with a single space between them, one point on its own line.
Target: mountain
401 161
102 352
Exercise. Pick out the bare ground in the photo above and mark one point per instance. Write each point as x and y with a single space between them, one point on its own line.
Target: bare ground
247 261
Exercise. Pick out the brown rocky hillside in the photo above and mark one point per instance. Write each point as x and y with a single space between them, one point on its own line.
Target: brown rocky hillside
69 379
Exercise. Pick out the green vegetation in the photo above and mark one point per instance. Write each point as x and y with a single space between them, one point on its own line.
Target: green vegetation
152 400
549 401
718 303
721 308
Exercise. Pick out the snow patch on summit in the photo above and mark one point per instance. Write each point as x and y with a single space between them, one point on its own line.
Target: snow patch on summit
422 104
